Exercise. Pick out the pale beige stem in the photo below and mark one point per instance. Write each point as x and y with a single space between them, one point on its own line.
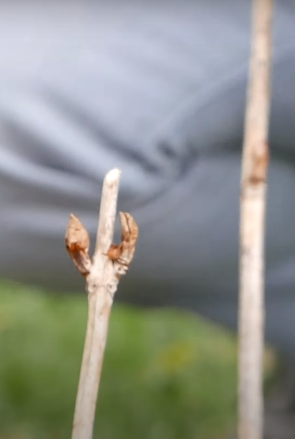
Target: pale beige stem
101 285
102 275
252 227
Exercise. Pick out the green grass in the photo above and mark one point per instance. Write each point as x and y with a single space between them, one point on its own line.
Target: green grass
166 375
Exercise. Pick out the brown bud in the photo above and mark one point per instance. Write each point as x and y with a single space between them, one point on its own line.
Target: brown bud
123 253
77 243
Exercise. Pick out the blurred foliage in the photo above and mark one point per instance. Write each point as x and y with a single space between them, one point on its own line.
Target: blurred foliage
166 373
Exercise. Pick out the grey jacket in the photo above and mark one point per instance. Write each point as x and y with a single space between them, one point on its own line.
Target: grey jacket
157 89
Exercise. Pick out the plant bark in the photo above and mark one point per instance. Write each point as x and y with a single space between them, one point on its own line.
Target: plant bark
102 276
252 227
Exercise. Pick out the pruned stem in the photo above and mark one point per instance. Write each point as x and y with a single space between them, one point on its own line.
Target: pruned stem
99 307
102 277
252 227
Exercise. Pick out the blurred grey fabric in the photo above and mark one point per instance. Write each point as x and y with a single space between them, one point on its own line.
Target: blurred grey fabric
157 89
